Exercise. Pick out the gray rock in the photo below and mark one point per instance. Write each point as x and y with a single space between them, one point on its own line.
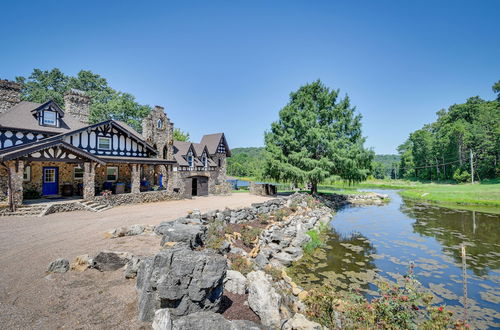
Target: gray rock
261 260
211 321
183 280
109 260
162 320
263 298
237 250
132 267
135 230
58 266
189 231
283 258
299 322
235 282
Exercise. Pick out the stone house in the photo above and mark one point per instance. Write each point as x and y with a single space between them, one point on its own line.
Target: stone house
46 150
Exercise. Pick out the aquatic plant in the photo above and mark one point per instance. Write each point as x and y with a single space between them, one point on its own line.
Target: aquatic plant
397 307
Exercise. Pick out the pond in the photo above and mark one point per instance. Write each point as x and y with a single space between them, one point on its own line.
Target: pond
370 242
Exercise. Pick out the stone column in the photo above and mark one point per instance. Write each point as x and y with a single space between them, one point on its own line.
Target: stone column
135 180
88 180
16 170
163 172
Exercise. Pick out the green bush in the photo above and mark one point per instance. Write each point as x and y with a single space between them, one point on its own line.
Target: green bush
461 176
31 194
263 218
280 214
315 242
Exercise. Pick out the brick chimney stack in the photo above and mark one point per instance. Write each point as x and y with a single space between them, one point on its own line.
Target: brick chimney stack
10 94
77 104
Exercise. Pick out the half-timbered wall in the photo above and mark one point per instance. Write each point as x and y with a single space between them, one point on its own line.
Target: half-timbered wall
9 138
121 143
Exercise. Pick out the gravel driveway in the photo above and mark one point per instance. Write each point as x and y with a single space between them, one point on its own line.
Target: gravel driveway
31 299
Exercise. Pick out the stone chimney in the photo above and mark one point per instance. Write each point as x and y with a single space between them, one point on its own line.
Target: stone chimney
10 94
77 104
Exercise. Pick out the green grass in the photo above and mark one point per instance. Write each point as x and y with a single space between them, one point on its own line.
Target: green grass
486 194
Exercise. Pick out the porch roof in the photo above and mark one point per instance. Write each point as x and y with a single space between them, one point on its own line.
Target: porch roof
16 153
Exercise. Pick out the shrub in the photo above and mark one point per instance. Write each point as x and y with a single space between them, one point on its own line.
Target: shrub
31 194
461 176
398 307
315 242
215 235
280 214
263 218
240 264
249 235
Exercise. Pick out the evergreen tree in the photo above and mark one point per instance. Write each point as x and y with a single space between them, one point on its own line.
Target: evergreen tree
318 135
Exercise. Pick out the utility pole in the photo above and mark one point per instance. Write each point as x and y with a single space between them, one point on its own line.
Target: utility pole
471 168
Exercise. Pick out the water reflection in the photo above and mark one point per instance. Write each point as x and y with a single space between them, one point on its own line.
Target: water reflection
371 242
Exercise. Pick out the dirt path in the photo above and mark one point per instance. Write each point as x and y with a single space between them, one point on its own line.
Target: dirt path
30 299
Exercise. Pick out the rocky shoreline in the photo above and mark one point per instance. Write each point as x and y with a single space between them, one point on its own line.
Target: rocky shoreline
205 257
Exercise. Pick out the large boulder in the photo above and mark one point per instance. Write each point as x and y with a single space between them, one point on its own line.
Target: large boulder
111 260
235 282
263 298
183 280
212 321
132 267
162 320
184 230
58 266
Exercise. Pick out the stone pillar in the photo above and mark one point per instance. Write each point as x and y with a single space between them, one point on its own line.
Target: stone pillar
135 180
16 170
88 180
163 172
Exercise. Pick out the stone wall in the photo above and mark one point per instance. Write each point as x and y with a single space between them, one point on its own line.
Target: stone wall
263 189
10 94
160 137
66 174
138 198
77 104
216 186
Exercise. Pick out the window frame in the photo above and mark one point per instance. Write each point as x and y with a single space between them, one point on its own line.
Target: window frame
27 171
44 118
159 124
116 175
78 167
99 142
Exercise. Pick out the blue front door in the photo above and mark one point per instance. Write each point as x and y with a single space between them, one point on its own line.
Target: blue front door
50 181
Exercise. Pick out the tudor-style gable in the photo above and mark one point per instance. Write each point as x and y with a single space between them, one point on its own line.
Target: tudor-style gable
110 138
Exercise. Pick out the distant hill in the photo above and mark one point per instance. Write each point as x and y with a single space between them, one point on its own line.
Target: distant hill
248 162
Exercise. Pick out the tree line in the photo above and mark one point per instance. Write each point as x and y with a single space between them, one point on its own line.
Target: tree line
465 138
106 103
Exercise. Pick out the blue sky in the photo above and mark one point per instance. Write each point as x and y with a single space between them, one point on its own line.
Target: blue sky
230 65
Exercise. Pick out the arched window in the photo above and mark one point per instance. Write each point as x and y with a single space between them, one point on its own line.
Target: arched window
159 124
165 150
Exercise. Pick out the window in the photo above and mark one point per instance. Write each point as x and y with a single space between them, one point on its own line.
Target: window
49 175
111 173
221 148
220 162
78 172
204 160
159 124
190 161
49 118
27 173
104 143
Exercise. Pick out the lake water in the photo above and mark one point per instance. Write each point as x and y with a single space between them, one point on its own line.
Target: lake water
370 242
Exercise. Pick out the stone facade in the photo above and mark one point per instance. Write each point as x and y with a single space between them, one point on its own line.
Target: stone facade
263 189
138 198
15 172
88 180
10 94
159 132
77 104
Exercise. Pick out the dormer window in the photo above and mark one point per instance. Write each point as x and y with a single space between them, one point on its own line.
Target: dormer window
190 158
159 124
49 118
204 160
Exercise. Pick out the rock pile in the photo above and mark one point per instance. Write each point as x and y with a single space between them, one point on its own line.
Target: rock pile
181 279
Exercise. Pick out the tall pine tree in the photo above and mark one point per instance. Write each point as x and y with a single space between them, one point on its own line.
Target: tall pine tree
318 135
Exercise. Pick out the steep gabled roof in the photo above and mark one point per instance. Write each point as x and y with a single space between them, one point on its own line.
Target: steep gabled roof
182 147
212 141
21 116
